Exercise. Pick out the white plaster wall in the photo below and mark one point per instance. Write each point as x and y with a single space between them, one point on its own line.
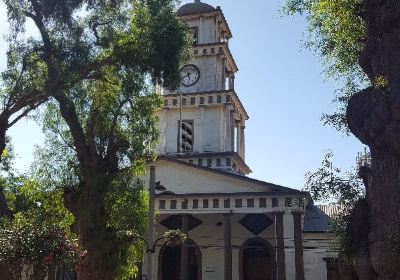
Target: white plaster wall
209 73
183 179
206 27
316 248
207 131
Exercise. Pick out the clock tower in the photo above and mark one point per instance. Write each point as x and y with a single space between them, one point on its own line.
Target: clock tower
203 122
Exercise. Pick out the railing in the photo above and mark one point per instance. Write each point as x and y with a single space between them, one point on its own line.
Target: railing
364 158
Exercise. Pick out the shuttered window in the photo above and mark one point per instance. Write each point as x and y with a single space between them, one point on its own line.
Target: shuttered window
186 140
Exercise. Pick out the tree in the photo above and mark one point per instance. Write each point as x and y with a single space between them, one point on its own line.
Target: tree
360 40
350 224
37 237
98 59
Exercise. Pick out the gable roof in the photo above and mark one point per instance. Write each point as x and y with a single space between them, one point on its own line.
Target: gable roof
274 187
318 218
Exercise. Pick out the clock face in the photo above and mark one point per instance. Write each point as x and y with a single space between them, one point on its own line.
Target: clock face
190 75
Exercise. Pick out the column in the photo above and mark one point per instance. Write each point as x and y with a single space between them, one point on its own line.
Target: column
227 247
201 130
232 82
280 246
238 136
232 129
185 250
150 229
243 145
298 246
223 79
164 131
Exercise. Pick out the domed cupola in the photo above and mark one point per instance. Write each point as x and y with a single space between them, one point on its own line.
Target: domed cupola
195 8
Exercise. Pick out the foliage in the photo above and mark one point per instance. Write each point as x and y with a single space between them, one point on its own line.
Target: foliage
336 32
99 62
175 237
127 207
38 234
330 184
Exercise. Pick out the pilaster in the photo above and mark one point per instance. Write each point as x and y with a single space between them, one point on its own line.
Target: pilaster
227 247
185 250
298 245
280 246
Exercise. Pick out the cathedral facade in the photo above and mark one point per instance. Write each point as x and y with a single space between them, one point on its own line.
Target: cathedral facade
238 228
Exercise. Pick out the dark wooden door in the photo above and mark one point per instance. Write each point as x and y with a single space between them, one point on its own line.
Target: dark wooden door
257 262
171 263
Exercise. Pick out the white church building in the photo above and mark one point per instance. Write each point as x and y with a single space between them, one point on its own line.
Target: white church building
238 228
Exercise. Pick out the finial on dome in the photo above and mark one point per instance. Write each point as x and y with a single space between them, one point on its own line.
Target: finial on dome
196 1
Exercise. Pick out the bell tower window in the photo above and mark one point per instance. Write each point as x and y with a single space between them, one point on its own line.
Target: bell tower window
185 139
195 35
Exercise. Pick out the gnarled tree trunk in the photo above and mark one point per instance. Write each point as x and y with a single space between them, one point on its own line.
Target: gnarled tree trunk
373 116
99 241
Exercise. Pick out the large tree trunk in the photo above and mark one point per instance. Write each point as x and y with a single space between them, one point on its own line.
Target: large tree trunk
372 119
384 201
373 116
90 225
4 211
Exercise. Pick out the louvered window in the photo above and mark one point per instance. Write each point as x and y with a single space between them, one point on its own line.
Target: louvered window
186 136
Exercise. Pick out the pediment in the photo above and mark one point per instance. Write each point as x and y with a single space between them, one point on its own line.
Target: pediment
181 177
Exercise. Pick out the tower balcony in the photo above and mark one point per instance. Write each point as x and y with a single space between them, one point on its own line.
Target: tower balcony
206 98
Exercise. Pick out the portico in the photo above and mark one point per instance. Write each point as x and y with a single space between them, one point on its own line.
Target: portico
230 229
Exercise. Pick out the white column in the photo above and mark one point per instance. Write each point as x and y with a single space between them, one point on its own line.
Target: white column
222 130
163 136
201 144
289 246
228 128
200 35
242 143
238 137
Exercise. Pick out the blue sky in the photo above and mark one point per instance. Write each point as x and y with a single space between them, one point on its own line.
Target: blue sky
279 82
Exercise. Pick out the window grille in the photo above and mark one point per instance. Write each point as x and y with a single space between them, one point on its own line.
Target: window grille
162 204
215 203
263 202
186 136
227 203
173 204
195 203
238 203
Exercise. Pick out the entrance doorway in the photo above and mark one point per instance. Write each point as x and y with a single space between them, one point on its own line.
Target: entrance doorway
257 260
169 262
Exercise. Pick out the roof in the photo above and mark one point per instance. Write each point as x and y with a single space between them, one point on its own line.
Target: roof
275 187
195 8
318 218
